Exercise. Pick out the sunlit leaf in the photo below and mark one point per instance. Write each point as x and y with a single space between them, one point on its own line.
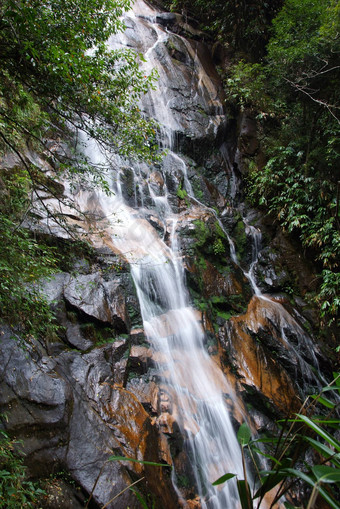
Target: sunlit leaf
244 434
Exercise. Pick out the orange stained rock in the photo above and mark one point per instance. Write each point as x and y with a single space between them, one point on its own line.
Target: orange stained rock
193 504
268 314
206 322
130 421
255 365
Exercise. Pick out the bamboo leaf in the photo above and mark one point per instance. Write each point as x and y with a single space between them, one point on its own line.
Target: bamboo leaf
325 451
244 494
311 482
326 474
140 498
223 479
244 434
322 433
259 451
269 482
324 401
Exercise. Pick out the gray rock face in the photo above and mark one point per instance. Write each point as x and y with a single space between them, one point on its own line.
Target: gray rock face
94 390
71 414
103 300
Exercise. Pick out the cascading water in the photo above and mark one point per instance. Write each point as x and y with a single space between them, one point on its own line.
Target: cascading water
195 383
140 221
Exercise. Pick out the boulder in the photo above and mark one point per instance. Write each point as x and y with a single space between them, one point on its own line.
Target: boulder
99 299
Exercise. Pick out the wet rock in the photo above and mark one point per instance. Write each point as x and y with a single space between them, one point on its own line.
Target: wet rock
271 353
60 495
71 414
248 141
179 25
146 391
103 300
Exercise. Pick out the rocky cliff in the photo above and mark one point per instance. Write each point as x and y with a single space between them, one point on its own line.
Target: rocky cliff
102 385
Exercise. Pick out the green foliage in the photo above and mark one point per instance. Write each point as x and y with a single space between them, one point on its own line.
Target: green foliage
58 76
15 490
23 261
246 83
293 92
58 52
181 193
218 247
201 233
287 193
211 240
243 26
240 237
315 429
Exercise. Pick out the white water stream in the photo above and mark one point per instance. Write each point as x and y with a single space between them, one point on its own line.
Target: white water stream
144 228
196 385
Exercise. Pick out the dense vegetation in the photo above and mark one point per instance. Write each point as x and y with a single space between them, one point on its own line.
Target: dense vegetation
287 448
57 75
15 490
286 73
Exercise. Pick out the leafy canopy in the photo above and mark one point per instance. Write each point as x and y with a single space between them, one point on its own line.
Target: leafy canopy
59 73
55 55
293 91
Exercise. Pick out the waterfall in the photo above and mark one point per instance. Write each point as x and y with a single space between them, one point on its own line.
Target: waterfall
197 391
141 221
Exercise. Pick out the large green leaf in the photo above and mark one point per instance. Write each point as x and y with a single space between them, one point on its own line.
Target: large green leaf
326 474
244 494
322 433
223 479
244 434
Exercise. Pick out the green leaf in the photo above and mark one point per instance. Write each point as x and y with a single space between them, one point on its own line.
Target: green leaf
324 450
301 475
140 498
223 479
133 460
326 474
320 431
269 482
244 494
259 451
243 434
324 401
